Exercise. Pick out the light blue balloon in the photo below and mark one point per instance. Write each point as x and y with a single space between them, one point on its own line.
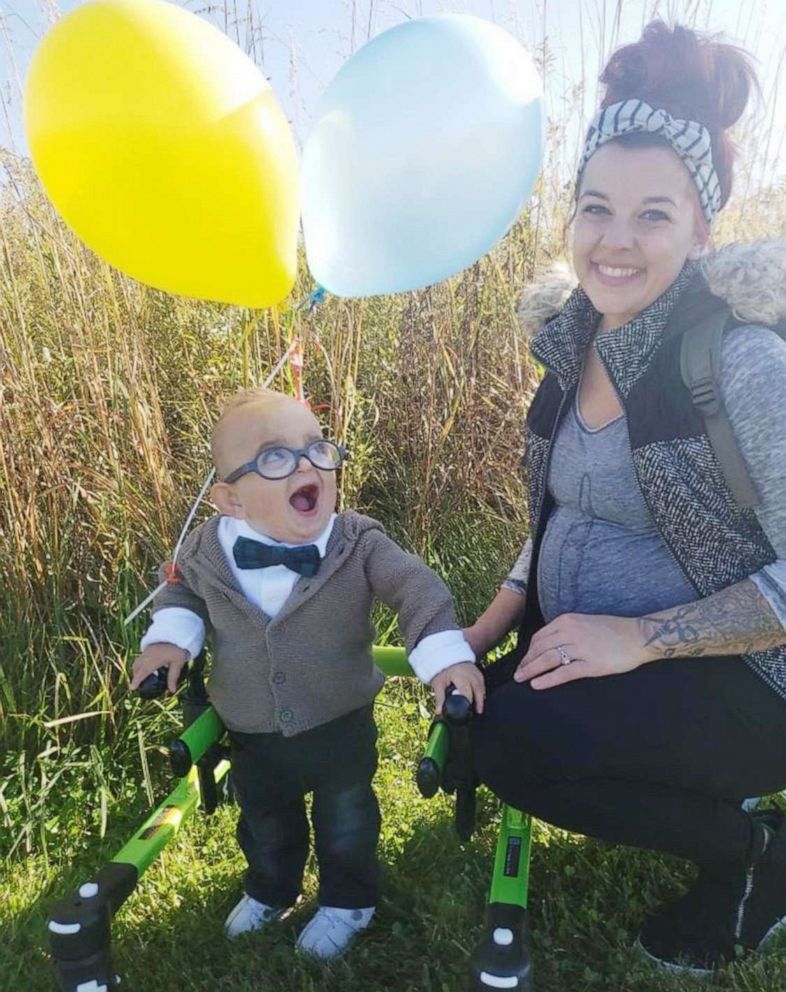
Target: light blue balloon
424 149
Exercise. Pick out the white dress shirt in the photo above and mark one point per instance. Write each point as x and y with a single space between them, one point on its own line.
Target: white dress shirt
268 588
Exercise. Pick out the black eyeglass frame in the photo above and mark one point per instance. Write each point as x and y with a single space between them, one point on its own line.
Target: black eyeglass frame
253 466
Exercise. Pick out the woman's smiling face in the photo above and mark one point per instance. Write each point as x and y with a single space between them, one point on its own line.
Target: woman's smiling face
637 222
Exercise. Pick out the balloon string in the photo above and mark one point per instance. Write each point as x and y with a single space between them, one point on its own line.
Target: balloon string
296 363
296 347
293 354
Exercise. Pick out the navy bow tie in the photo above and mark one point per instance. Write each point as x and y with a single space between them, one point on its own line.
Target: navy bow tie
254 554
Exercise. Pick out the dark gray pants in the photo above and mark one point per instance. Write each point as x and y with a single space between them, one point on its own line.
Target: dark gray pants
272 774
659 757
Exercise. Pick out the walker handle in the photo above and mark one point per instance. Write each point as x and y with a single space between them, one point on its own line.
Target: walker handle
154 685
457 709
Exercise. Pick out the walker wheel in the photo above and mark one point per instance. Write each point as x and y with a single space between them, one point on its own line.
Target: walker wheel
502 960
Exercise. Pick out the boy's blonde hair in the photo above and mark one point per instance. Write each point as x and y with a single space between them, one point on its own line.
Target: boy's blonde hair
256 395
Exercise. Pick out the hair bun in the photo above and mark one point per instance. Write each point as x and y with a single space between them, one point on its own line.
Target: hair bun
690 76
734 77
684 73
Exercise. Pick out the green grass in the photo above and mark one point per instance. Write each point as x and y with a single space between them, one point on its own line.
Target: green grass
107 391
587 900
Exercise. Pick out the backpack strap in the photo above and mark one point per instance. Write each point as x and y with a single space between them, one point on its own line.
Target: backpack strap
700 363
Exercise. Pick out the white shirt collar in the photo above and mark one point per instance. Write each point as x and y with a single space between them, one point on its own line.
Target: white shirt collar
240 528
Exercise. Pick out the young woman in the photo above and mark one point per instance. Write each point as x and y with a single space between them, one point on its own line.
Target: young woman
648 689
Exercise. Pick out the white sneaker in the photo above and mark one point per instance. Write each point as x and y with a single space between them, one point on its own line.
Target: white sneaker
250 915
332 930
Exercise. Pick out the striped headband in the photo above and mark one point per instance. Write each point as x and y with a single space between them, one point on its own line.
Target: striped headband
689 139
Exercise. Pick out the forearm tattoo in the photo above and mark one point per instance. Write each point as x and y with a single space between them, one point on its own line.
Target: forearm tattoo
736 620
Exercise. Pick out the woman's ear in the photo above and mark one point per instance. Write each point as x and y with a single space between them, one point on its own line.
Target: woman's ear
226 500
699 250
702 239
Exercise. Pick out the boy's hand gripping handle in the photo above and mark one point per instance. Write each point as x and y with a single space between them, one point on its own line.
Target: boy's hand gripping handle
448 760
154 686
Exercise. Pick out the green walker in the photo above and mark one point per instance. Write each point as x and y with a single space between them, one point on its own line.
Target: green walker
80 925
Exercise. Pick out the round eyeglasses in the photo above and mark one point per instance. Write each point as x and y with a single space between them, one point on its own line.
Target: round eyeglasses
279 462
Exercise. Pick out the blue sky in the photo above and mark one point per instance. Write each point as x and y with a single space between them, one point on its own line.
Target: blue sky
300 44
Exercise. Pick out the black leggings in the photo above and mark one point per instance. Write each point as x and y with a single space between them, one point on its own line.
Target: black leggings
657 758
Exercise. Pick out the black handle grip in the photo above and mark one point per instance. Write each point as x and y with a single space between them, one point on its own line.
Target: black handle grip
457 709
155 684
428 777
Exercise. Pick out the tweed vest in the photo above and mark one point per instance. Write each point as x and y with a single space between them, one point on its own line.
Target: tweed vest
714 541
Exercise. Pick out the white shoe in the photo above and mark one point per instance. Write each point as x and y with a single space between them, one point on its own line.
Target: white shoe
250 915
332 930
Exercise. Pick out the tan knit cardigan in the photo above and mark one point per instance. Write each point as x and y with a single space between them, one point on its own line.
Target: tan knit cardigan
312 662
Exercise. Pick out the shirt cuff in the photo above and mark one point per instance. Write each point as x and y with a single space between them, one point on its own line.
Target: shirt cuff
771 583
519 574
176 625
515 586
439 651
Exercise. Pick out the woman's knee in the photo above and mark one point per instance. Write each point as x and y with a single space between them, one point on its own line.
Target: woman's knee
514 716
504 753
525 739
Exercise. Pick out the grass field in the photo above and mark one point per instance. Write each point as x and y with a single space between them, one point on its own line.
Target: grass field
107 391
586 902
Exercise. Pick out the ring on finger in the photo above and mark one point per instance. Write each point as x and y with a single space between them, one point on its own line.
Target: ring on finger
564 657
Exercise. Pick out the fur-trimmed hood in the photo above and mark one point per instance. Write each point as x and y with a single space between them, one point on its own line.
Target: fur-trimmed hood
751 278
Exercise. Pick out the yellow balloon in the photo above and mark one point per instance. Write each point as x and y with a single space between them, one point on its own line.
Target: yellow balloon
162 145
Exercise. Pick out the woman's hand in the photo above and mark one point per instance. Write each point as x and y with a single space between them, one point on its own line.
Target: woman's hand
596 645
467 679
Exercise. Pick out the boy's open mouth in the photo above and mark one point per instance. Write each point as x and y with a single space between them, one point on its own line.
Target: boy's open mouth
305 499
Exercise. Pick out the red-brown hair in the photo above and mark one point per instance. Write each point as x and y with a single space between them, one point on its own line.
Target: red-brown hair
691 77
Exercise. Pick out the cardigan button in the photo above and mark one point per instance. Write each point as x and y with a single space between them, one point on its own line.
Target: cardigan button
286 716
279 678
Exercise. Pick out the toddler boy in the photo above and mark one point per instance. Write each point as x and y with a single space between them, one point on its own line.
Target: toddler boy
285 585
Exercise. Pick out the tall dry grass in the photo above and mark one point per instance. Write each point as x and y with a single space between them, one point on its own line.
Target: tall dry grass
107 392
